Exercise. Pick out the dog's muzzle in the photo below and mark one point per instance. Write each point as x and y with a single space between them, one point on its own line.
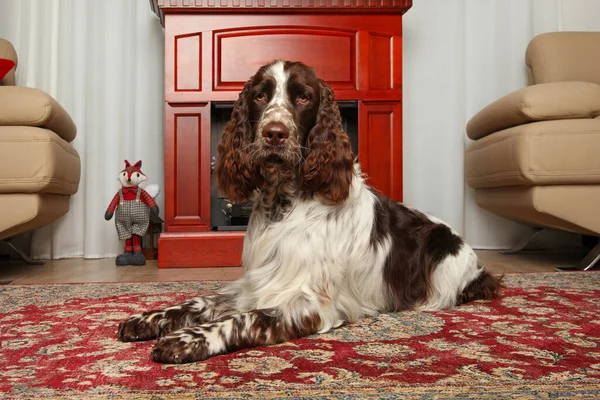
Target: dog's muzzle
276 138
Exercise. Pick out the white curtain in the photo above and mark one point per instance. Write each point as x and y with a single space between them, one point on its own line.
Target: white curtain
459 56
103 61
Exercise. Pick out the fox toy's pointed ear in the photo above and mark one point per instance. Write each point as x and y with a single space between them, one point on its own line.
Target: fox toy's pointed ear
127 165
138 164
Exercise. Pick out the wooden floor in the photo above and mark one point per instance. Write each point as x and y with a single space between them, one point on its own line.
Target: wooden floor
104 270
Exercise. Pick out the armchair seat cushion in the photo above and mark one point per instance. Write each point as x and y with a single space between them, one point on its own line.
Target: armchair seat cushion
560 152
33 107
25 212
36 160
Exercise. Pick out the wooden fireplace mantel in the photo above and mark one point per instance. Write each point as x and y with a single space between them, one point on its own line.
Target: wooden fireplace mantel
160 7
213 46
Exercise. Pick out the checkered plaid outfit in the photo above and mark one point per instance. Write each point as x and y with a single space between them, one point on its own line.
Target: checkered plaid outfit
132 216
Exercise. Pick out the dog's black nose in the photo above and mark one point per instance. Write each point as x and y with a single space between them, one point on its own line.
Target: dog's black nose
275 133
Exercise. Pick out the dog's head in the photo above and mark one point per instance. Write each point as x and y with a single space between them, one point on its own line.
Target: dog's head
285 118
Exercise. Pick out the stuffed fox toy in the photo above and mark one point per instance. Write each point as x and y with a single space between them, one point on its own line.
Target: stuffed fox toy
132 206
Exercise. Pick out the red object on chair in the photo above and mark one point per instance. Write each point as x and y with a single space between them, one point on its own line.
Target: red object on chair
5 66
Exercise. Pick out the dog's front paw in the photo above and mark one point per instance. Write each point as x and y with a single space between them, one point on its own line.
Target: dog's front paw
183 346
137 328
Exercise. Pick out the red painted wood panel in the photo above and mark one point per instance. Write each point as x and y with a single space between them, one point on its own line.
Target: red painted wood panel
188 147
187 180
236 57
232 47
200 249
380 146
380 65
188 62
397 61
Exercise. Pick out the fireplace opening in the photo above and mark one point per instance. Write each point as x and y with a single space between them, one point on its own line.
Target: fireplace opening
225 216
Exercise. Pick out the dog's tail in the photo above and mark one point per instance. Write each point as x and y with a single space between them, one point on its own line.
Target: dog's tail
485 287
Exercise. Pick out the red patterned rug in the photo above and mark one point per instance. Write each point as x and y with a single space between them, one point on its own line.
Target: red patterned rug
541 340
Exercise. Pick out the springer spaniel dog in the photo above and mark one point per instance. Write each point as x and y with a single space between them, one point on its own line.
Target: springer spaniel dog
322 247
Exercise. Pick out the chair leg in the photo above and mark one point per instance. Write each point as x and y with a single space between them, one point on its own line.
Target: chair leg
22 254
523 243
590 259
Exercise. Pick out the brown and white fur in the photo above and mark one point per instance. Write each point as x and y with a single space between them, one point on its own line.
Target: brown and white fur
322 247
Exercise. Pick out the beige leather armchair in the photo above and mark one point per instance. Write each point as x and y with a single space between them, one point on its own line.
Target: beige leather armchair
39 168
535 158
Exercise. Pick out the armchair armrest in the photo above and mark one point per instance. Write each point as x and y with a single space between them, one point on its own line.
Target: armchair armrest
32 107
543 102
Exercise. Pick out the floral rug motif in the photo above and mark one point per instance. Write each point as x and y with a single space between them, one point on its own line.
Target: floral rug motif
540 340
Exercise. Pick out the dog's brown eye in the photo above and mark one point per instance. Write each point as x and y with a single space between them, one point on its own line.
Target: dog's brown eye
302 99
260 97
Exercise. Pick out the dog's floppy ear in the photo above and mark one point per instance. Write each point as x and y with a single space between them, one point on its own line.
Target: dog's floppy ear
234 169
329 161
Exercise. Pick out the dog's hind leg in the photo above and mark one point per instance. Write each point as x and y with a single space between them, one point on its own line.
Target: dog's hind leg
155 323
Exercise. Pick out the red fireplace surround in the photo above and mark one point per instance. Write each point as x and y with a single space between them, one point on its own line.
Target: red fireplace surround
213 46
